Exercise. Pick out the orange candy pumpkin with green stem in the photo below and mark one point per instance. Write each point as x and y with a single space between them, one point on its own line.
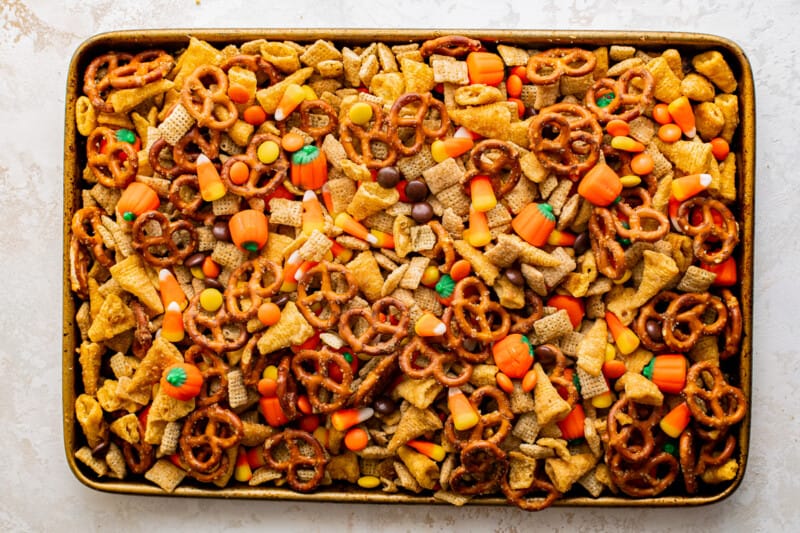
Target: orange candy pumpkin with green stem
601 185
535 223
309 168
513 355
137 198
182 381
668 372
249 229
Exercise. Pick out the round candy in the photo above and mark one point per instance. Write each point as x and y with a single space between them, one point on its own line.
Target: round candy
385 405
421 212
369 482
194 260
213 283
360 113
221 231
582 243
239 172
514 275
388 177
269 313
268 152
126 136
416 190
210 300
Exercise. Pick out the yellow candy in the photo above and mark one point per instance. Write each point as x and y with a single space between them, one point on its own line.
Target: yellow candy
211 300
625 277
309 92
438 151
430 276
627 342
271 372
603 400
611 352
630 180
198 272
360 113
368 482
268 152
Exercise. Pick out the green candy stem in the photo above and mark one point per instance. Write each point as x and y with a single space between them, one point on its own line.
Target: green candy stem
606 99
250 246
445 286
305 155
547 211
126 136
648 370
176 377
130 216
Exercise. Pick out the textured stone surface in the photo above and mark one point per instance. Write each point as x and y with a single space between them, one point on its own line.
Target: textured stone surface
36 40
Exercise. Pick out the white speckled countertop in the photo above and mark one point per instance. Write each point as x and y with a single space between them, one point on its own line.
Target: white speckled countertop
37 38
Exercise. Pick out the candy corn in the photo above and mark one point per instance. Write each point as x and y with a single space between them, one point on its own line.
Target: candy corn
603 400
482 194
341 253
242 472
478 233
450 147
572 425
292 97
255 458
429 449
305 267
344 419
561 238
211 186
688 186
312 213
382 239
327 198
464 415
170 289
626 144
625 339
429 326
681 112
676 420
351 227
172 326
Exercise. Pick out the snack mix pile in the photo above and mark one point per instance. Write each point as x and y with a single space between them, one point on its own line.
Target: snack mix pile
449 268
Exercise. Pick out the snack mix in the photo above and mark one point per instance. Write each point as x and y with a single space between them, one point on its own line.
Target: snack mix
448 268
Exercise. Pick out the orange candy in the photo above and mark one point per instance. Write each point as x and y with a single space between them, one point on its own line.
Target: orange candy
210 268
514 86
238 93
269 313
529 380
485 67
601 186
292 142
669 133
681 112
255 115
574 307
504 382
520 106
618 127
642 164
720 148
661 114
614 369
460 269
267 387
356 439
239 172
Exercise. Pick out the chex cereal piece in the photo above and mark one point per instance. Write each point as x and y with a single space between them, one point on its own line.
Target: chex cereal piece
512 56
413 167
569 343
443 175
122 365
559 195
480 264
554 275
422 238
696 279
592 348
381 221
537 451
285 211
521 195
591 386
115 460
452 498
552 326
448 69
484 375
105 196
455 198
342 193
320 51
387 261
526 427
404 478
334 151
427 300
237 393
534 278
292 328
549 405
520 401
498 216
165 474
315 248
413 275
639 389
169 439
176 125
226 254
84 455
590 482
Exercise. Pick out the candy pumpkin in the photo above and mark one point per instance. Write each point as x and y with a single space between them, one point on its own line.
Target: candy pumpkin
535 223
309 168
486 68
513 355
668 372
249 229
182 381
136 199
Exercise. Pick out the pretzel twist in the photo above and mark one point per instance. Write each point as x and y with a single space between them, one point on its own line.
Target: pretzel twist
319 379
85 219
263 178
499 161
483 468
684 320
207 433
151 245
207 329
381 335
733 327
712 243
493 426
719 405
97 87
635 441
351 133
547 67
252 283
477 316
215 375
325 293
184 194
625 104
108 165
637 217
437 366
304 454
650 313
603 238
204 93
421 104
444 246
144 68
576 147
450 45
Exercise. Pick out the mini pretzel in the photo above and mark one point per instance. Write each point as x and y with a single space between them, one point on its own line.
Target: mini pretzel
204 90
97 89
684 319
483 468
438 362
733 327
139 456
557 373
495 167
624 105
712 243
79 267
534 309
184 194
253 362
212 368
304 454
142 336
450 45
576 146
376 381
207 330
547 67
421 104
253 282
479 317
263 178
653 311
174 251
444 245
206 434
493 426
688 460
89 218
318 379
637 217
720 406
306 299
146 67
634 441
287 388
456 341
381 335
350 132
255 64
185 158
520 497
650 477
108 165
607 250
309 108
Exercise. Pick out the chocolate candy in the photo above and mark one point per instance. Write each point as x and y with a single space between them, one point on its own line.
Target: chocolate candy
384 406
416 190
421 212
388 177
194 260
221 231
582 243
514 275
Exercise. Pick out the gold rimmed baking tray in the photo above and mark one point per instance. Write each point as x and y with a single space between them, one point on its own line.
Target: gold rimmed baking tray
687 43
